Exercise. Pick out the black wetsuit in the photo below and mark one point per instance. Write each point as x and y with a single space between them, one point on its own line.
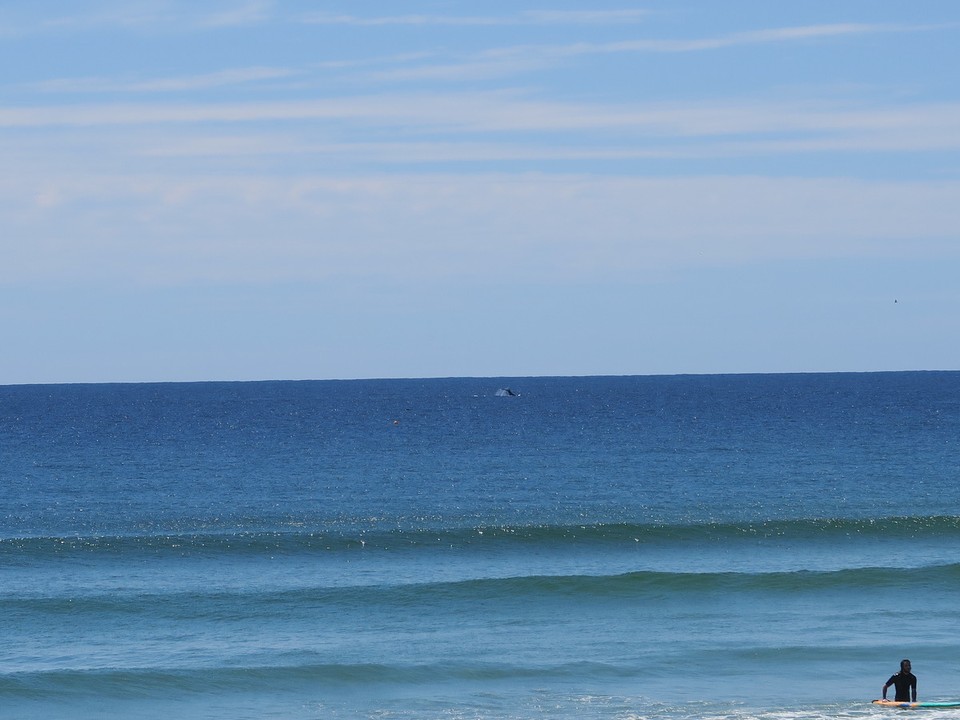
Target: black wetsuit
904 682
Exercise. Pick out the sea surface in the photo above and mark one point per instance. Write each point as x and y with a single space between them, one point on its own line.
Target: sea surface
720 547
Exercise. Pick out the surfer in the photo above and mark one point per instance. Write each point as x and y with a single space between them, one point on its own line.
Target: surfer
905 682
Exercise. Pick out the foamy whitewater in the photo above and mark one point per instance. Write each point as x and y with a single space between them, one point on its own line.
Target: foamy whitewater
717 547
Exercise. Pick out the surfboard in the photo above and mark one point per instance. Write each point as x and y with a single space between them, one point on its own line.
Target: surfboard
900 704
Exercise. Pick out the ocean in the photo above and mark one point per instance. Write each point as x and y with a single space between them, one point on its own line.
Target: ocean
721 547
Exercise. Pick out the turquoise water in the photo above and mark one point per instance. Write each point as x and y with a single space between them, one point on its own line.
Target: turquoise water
645 547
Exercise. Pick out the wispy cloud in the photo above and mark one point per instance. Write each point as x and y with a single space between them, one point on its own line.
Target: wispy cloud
519 59
331 19
132 15
205 81
264 228
560 17
580 17
140 15
702 129
754 37
248 13
157 13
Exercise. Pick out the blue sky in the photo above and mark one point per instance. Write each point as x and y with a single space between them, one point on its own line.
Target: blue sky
241 190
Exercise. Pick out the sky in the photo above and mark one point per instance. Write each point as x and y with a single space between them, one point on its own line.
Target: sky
268 189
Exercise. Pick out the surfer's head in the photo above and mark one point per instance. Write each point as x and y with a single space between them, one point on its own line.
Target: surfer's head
905 665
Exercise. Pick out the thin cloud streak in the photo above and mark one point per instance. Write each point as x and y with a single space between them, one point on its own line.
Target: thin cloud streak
206 81
587 16
756 37
472 113
505 61
140 15
488 64
533 17
249 13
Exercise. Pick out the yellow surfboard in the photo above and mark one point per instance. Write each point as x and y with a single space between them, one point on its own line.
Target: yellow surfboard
901 704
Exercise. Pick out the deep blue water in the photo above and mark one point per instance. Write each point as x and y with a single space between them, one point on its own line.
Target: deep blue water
692 546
